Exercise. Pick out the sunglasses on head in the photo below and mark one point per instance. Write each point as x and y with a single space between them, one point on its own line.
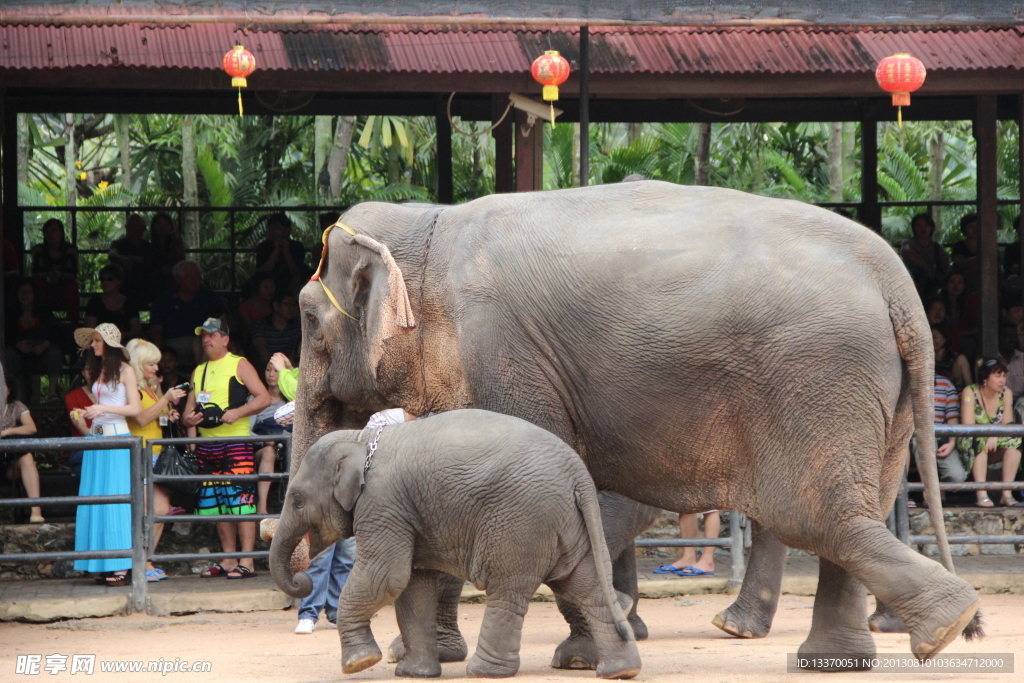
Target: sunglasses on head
990 363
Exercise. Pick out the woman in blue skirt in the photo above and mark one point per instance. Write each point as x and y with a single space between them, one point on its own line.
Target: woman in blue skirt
106 472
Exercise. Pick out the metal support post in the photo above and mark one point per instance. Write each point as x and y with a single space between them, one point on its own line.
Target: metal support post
739 566
139 597
584 106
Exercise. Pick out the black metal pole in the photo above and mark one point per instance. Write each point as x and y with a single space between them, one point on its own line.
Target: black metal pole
584 106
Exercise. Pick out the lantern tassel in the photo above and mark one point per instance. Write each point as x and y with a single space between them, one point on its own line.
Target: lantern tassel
552 105
240 113
899 116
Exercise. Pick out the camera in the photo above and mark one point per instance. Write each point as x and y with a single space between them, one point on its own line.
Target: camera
184 386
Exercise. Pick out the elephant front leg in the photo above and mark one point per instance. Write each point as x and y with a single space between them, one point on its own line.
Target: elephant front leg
750 616
497 650
451 645
416 610
367 590
839 626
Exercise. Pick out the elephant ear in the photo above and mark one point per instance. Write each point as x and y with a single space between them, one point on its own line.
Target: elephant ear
349 457
386 306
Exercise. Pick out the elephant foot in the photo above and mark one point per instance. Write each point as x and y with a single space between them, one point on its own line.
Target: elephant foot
575 652
840 650
355 658
741 623
884 620
639 627
928 639
625 665
425 669
450 648
484 667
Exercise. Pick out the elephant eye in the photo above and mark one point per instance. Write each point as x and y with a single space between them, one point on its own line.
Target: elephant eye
298 500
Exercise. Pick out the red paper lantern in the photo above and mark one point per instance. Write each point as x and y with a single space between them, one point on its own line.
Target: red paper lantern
900 74
550 70
239 64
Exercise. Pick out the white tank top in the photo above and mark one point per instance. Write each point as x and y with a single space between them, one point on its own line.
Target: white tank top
107 395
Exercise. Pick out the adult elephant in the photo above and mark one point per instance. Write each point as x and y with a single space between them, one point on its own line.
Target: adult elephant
698 347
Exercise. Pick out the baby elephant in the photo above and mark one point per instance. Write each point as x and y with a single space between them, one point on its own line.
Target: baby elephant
487 498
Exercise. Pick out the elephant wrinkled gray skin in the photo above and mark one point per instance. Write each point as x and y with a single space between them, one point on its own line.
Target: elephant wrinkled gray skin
698 347
485 497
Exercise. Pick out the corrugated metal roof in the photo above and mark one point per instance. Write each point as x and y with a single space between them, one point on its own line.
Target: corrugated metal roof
441 49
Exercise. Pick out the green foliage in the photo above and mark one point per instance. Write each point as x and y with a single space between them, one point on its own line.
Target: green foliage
267 161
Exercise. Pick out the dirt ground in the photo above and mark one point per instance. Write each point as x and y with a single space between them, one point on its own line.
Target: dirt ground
260 646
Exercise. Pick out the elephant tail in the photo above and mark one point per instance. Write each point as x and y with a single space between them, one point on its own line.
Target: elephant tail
915 346
586 501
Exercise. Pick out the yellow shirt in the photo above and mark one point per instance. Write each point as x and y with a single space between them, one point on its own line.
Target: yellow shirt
214 377
152 429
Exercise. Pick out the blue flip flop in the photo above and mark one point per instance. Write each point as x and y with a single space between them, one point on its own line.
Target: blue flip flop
692 571
665 569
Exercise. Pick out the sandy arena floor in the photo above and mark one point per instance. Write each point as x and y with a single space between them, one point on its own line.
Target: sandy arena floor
260 646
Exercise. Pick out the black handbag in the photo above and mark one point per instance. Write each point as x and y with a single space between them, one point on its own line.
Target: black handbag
178 460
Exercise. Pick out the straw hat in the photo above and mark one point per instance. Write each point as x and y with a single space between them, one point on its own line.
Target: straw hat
108 331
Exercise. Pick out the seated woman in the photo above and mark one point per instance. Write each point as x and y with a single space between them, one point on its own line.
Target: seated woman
17 423
55 269
31 338
156 411
989 402
111 306
949 363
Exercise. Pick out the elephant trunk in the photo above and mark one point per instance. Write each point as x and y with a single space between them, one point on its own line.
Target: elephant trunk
282 548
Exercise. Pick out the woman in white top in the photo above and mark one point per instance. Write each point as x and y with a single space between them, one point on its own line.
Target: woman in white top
107 472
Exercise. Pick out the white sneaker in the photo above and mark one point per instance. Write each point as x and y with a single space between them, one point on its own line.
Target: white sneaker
305 627
329 624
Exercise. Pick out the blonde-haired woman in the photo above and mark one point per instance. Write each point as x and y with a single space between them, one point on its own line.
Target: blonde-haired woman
146 362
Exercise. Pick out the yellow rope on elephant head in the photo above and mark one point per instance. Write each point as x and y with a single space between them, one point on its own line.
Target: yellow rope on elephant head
323 256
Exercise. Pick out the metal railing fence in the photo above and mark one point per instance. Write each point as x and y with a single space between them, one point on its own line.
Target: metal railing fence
140 498
134 498
151 517
143 515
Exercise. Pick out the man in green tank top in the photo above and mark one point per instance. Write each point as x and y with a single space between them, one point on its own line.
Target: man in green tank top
217 406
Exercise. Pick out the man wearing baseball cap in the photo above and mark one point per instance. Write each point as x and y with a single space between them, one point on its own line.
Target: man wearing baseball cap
216 407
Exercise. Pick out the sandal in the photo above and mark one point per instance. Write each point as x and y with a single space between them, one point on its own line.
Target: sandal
664 569
154 575
213 572
118 580
1011 502
985 502
101 578
241 572
692 571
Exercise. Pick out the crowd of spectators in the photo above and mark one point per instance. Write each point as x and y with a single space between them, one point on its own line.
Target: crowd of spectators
148 289
165 328
971 388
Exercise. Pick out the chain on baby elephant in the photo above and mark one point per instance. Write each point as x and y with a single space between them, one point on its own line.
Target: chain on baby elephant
373 449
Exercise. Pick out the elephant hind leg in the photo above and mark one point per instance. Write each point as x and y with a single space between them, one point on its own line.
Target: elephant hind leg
750 616
615 657
497 650
934 604
839 627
